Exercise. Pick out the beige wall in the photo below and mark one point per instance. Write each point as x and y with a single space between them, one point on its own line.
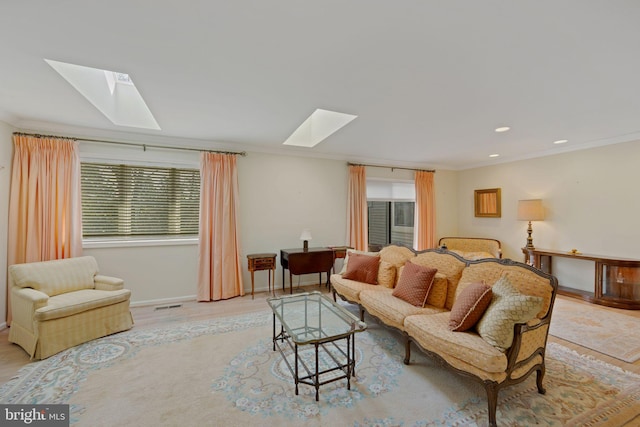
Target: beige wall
591 199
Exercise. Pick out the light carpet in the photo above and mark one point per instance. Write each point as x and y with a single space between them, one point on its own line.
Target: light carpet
604 331
223 372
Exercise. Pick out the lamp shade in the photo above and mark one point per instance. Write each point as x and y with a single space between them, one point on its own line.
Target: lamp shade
306 234
530 210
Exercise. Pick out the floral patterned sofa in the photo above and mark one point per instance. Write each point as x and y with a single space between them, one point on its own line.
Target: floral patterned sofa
487 319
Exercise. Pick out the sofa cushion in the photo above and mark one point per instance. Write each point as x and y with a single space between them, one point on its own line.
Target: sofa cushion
391 310
470 306
351 289
57 276
432 333
508 306
363 268
414 284
387 274
71 303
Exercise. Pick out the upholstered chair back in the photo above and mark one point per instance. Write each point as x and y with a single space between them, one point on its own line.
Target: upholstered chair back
57 276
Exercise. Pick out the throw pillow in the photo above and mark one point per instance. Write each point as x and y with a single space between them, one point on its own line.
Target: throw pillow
438 293
508 307
363 268
470 306
414 284
387 274
345 262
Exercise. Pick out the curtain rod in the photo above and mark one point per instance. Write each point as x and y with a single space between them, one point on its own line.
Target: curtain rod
135 144
391 167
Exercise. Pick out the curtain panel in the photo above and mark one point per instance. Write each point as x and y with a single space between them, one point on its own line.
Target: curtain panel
219 268
45 209
425 223
357 221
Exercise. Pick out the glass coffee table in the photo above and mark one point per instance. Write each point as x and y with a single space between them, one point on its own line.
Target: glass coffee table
316 338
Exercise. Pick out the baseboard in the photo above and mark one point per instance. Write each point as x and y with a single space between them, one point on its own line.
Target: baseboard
3 326
162 301
165 301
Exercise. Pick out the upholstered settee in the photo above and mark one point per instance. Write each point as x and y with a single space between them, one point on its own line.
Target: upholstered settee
62 303
472 247
487 319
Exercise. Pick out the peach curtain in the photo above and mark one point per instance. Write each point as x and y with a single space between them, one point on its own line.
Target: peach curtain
425 224
219 268
357 221
45 210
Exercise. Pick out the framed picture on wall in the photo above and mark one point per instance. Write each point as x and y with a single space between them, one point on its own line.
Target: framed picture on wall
487 203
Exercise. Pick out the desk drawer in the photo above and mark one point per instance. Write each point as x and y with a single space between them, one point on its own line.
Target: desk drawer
264 263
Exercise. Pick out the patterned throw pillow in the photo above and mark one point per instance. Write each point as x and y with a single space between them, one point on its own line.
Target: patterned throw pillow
508 307
363 268
386 274
414 284
470 306
345 263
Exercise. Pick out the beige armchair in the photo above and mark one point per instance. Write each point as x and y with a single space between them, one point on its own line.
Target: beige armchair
62 303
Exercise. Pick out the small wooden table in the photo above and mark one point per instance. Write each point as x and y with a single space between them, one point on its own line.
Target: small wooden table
259 262
306 261
339 252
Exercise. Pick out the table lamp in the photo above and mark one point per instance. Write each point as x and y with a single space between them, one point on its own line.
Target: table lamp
305 237
530 210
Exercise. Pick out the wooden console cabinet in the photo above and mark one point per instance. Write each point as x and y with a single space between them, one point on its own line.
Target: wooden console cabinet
617 280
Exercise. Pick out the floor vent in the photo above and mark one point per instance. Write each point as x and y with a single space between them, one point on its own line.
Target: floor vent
164 307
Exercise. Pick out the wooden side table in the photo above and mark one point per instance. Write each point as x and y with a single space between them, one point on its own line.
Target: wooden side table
259 262
339 252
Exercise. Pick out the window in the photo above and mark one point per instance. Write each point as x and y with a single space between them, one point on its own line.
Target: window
129 201
391 210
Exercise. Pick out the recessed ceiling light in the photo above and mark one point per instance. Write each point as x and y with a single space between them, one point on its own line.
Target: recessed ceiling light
318 126
503 129
494 155
561 141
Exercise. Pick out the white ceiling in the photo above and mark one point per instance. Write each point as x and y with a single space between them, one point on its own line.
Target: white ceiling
428 80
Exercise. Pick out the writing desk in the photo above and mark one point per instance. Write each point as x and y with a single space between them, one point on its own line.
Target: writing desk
300 261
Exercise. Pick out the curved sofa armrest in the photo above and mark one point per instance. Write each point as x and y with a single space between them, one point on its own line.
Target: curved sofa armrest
106 283
530 339
24 303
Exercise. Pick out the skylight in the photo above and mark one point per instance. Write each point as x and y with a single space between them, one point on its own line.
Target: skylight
317 127
113 93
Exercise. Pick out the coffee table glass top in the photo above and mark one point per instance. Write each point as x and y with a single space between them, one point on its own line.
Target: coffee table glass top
311 317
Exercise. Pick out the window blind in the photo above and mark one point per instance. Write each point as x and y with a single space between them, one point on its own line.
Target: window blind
127 200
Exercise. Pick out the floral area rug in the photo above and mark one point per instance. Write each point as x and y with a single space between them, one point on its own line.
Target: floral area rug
602 330
224 372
